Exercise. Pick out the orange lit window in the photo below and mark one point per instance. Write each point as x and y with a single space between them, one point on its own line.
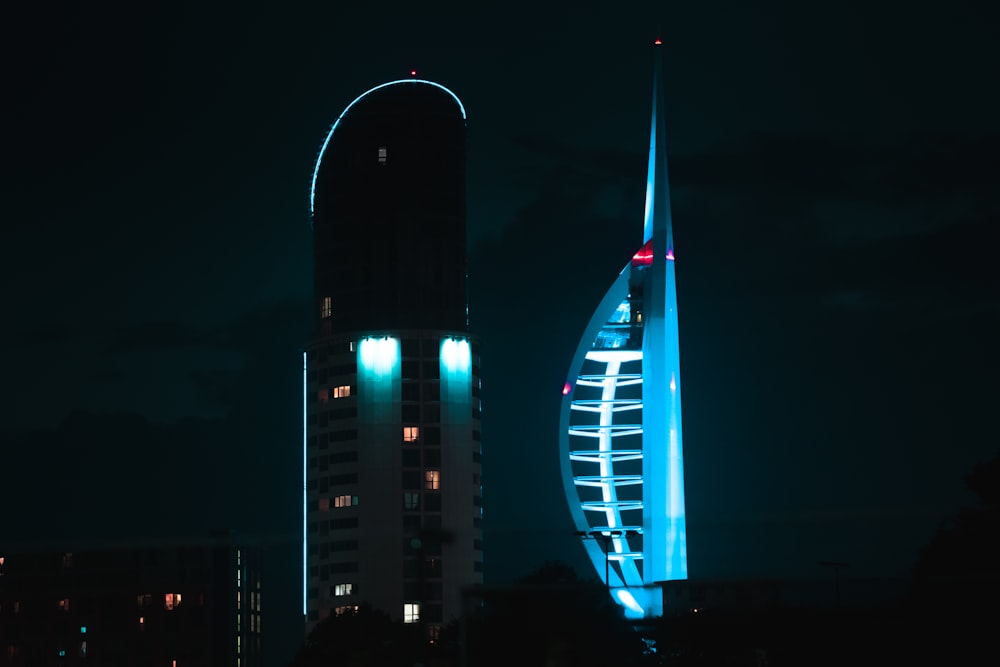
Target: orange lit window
411 433
64 604
343 391
326 310
432 480
171 600
345 501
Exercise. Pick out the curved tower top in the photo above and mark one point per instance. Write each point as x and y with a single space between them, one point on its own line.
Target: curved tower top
388 212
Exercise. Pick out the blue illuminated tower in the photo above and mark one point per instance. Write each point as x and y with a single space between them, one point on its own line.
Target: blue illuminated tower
391 451
620 432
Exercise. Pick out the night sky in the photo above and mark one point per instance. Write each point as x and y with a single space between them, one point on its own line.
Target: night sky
834 179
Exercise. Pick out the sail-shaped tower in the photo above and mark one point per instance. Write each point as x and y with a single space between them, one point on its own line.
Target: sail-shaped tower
620 431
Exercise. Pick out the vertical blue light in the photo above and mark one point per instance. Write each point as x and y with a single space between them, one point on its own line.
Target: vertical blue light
305 483
378 386
456 379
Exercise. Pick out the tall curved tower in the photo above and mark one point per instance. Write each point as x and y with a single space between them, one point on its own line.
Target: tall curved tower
391 456
620 431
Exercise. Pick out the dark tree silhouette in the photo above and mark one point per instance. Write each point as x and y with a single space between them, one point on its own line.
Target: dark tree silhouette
365 638
956 579
552 618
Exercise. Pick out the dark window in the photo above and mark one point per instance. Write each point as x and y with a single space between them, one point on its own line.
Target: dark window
342 524
432 457
346 434
343 413
432 413
411 391
411 479
432 502
411 458
432 391
344 457
410 370
432 435
344 545
346 478
432 369
411 413
344 567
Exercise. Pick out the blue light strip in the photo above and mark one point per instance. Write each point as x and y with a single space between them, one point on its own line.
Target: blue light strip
319 160
305 483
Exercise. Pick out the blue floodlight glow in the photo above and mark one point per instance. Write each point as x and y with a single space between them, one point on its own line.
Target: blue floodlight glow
379 355
621 413
305 484
326 142
456 355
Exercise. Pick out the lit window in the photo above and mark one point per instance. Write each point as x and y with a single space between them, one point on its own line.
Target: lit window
324 395
326 310
171 600
343 391
411 612
142 622
411 433
343 589
64 604
324 504
432 480
411 500
345 501
346 609
382 154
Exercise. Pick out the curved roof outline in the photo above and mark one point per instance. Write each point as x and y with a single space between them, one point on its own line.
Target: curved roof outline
326 142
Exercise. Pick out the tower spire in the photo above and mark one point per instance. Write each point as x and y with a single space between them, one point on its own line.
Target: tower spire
657 216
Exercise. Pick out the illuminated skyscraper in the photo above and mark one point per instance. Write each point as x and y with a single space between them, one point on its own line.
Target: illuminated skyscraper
620 432
391 455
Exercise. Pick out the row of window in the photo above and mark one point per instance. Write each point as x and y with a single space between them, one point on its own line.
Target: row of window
326 393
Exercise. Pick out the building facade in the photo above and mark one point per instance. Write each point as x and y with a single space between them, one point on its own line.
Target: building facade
620 430
391 455
189 604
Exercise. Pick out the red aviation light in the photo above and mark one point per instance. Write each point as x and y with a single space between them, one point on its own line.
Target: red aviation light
413 72
658 41
644 256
